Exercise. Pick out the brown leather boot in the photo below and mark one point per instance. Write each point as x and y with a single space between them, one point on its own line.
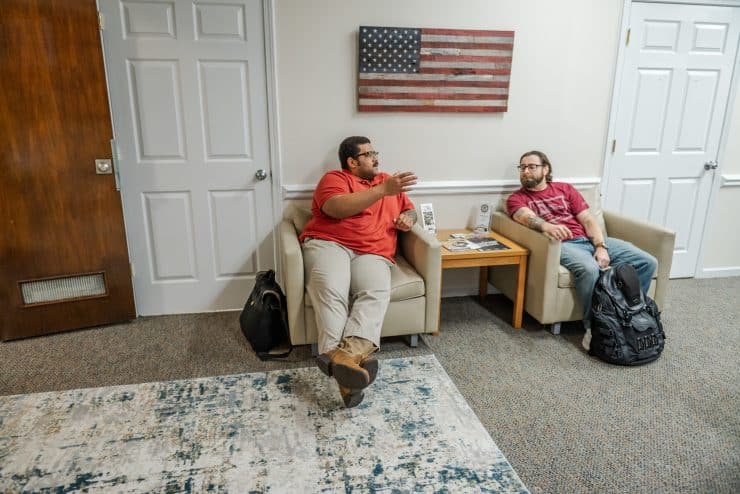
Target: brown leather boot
357 345
351 397
345 368
370 364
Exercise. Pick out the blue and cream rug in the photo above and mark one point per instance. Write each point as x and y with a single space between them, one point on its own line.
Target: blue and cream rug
280 431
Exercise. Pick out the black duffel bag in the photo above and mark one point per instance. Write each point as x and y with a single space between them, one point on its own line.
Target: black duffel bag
625 322
264 320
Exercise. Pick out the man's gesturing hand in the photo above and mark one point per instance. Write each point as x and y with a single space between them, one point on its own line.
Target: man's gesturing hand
399 182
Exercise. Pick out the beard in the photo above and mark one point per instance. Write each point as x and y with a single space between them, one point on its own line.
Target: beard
368 175
529 182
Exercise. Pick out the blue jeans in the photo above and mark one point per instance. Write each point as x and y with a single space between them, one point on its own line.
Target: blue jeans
577 256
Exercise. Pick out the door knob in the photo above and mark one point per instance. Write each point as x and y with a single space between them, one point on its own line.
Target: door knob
103 167
711 165
261 174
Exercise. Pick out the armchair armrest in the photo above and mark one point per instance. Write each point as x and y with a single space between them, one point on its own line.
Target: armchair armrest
543 264
651 238
424 252
293 279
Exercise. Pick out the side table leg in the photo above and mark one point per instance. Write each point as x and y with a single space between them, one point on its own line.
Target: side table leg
519 299
483 284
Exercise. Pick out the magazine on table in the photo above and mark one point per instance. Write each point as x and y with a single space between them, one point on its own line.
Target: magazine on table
484 242
458 245
461 242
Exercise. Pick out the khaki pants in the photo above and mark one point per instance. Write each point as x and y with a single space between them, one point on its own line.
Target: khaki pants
349 292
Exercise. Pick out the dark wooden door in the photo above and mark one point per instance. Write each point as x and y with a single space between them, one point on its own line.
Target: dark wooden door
63 257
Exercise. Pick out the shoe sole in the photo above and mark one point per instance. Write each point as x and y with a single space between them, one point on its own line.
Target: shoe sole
370 365
350 377
353 399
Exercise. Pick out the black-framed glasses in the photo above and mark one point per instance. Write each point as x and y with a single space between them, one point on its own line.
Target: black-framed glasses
369 154
531 168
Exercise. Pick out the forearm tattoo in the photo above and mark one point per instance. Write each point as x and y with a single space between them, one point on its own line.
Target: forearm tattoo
535 223
411 213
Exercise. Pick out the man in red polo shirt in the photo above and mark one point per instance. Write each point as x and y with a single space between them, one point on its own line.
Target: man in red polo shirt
348 249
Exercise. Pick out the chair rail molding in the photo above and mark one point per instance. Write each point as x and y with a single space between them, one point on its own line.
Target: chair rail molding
730 181
718 3
447 187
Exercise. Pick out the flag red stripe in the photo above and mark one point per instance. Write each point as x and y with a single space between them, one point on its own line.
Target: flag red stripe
448 83
457 96
466 32
464 58
463 71
477 46
433 108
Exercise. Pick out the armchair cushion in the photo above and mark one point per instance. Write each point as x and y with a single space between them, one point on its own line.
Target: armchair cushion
300 218
405 281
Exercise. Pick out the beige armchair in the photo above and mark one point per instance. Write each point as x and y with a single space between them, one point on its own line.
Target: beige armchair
550 294
415 284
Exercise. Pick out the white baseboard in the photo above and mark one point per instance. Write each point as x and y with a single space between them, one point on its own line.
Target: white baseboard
719 272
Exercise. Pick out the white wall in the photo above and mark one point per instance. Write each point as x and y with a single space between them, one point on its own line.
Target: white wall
562 72
561 83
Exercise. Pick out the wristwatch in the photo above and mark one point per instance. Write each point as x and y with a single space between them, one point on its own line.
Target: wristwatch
601 244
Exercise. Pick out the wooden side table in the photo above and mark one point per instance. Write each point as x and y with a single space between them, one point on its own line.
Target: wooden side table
514 255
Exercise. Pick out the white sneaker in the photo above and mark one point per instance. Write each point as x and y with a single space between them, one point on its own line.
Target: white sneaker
586 341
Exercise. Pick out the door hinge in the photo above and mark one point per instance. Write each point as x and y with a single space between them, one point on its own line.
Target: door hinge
131 268
614 145
629 31
101 21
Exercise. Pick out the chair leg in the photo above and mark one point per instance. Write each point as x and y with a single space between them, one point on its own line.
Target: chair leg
554 328
412 340
314 349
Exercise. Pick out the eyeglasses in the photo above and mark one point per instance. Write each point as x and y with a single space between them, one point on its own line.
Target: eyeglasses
369 154
531 168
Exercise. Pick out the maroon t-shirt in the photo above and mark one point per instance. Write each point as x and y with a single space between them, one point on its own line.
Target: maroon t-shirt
559 203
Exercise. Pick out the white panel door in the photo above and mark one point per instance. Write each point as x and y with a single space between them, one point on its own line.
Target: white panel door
674 92
188 95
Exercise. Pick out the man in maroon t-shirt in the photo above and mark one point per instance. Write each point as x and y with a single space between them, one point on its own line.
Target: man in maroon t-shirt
559 211
348 248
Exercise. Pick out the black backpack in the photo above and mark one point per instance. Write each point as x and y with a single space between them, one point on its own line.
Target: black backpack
625 322
264 320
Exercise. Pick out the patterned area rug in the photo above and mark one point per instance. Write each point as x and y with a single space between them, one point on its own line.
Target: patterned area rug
280 431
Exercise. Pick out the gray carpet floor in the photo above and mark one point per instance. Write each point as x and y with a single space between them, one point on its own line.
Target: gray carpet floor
567 422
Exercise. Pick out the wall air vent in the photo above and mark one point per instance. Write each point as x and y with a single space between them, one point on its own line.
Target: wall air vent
62 289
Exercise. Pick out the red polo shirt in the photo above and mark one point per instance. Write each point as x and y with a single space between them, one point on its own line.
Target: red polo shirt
370 231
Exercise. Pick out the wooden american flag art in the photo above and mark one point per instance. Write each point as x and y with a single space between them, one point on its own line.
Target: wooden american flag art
433 70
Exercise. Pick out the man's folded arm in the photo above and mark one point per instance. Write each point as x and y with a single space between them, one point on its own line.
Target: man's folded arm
346 205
